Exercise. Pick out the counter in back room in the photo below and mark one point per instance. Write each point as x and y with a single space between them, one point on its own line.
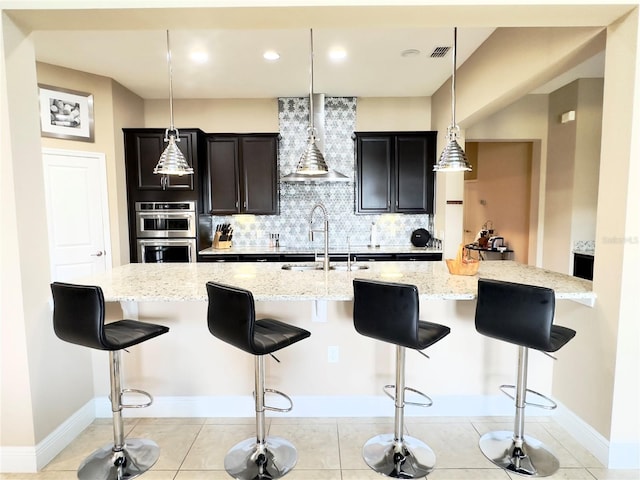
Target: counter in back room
192 373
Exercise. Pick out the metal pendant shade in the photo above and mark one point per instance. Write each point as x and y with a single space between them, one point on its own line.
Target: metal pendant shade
453 158
312 161
312 165
172 161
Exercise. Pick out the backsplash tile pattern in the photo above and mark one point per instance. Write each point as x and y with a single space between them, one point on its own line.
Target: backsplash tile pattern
297 199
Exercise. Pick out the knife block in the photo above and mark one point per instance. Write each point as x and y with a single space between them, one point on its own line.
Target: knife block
220 244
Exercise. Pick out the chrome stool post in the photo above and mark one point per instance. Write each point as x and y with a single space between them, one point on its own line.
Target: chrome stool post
390 312
121 459
261 457
397 455
515 451
530 311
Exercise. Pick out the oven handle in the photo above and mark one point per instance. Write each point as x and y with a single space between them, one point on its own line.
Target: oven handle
165 215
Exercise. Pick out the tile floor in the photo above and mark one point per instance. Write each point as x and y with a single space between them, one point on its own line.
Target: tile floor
328 448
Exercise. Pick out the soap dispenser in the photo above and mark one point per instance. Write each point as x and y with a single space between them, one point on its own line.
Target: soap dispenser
374 236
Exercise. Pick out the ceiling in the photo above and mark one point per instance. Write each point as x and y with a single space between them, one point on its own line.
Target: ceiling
374 65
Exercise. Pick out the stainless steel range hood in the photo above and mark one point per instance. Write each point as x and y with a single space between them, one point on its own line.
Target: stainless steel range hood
317 141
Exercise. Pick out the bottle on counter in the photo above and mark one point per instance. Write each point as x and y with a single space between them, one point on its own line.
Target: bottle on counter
374 235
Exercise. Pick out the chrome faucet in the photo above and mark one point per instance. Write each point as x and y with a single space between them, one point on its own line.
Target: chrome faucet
325 231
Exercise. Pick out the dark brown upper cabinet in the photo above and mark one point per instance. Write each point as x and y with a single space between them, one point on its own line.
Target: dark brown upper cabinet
142 150
242 174
394 172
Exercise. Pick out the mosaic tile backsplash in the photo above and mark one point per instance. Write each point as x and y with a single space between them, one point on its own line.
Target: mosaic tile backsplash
298 199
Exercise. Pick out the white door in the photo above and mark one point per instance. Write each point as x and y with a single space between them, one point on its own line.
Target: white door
77 213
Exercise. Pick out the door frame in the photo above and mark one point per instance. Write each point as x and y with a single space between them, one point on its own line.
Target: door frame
100 159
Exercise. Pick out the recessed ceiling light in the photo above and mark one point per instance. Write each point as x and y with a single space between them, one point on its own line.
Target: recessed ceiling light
199 56
337 54
271 55
410 52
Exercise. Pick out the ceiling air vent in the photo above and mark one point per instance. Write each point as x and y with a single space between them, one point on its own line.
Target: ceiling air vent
439 52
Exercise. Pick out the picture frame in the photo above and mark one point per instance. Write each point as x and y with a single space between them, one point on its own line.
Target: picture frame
66 114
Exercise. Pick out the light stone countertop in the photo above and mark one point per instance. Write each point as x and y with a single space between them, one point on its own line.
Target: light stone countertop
174 282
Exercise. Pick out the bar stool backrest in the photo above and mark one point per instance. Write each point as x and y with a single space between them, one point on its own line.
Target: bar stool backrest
231 315
516 313
78 315
387 311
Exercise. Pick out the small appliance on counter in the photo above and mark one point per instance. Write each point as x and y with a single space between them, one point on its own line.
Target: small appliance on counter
420 237
495 243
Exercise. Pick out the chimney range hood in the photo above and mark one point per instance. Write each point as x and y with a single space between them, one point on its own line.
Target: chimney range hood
315 146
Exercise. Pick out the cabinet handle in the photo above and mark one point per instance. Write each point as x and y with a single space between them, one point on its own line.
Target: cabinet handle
244 204
236 204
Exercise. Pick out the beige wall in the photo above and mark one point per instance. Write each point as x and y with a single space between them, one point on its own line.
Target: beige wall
128 112
258 115
398 113
572 171
587 160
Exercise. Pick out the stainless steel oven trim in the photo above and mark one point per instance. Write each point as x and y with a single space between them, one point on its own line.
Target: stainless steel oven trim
189 242
142 233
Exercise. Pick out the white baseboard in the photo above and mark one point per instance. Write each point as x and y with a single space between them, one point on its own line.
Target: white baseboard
33 459
613 455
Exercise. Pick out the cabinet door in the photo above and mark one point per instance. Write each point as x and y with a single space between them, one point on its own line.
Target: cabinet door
413 175
142 152
222 175
374 174
259 186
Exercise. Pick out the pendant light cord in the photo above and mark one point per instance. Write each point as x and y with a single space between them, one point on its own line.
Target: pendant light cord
171 127
453 78
311 125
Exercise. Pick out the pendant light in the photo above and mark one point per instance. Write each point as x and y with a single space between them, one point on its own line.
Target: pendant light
312 166
453 158
172 161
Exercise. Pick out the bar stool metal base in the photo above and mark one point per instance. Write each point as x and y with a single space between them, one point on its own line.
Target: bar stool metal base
248 460
533 459
137 456
409 458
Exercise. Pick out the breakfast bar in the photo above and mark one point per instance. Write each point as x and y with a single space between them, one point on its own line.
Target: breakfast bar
336 372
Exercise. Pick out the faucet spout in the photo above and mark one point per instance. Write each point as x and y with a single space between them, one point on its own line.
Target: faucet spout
324 230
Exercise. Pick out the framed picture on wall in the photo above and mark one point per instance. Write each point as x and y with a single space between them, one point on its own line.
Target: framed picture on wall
66 113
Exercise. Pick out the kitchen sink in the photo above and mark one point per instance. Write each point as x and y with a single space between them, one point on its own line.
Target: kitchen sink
302 266
343 267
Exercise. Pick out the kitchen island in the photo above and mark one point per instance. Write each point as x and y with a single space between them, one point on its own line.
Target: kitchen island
191 373
171 282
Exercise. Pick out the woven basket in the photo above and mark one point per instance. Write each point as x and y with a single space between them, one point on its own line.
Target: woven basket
461 265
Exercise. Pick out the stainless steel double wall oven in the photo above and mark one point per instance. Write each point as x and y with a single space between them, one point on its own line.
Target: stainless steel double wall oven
166 231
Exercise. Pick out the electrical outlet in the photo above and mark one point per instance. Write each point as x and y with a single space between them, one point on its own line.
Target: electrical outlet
333 354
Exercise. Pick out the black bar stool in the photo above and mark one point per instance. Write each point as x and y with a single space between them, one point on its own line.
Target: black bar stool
390 312
78 317
231 318
522 315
